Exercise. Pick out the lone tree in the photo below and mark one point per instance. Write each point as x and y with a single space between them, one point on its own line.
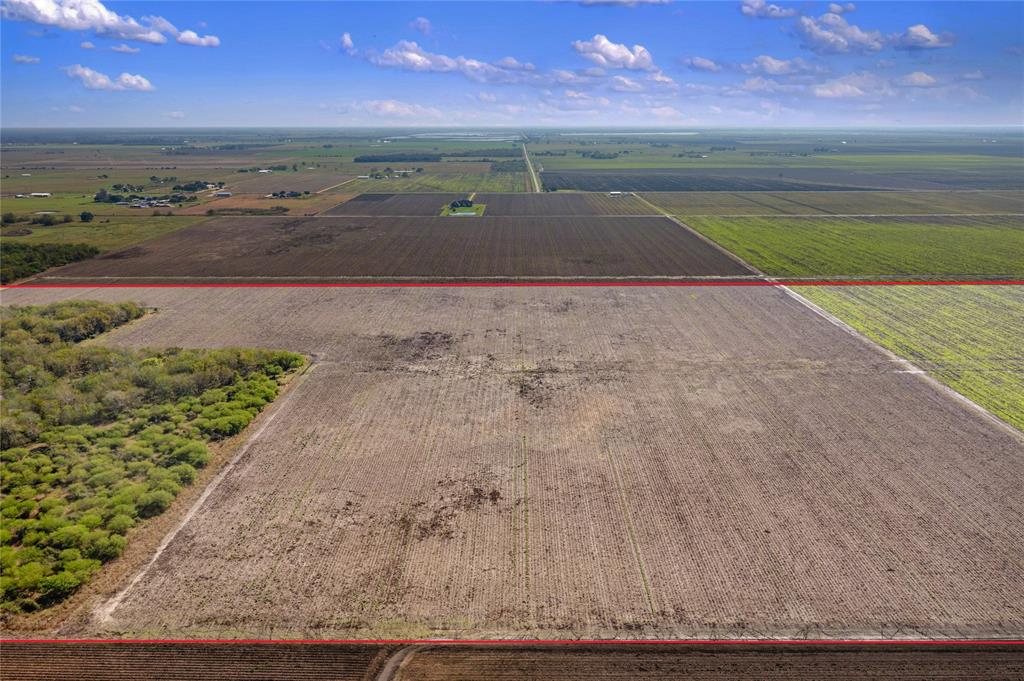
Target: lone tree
86 216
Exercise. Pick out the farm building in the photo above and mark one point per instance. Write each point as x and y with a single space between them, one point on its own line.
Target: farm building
40 195
460 203
222 194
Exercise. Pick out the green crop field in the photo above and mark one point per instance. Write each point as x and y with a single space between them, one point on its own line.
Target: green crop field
970 338
932 247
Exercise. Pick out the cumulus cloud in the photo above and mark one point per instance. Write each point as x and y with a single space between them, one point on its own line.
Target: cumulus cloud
609 55
421 25
125 49
86 45
576 100
920 37
194 39
176 115
623 84
763 10
702 64
832 34
74 108
408 55
94 80
779 67
917 79
393 108
854 85
80 15
973 75
25 59
666 112
347 44
836 8
93 15
487 97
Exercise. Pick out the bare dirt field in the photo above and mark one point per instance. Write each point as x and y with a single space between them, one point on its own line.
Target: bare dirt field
837 202
286 181
438 247
339 662
426 205
566 204
624 462
307 205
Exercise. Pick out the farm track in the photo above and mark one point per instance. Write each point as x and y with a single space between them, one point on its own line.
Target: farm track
780 477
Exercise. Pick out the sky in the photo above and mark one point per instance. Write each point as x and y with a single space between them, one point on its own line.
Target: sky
593 63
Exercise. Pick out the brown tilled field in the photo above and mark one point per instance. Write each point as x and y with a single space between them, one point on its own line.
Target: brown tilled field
553 205
342 248
628 462
339 662
287 181
397 205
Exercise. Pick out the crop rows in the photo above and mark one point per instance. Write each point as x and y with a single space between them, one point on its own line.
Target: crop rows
438 247
944 247
969 337
844 203
580 462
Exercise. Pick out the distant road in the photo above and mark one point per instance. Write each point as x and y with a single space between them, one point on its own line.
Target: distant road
529 167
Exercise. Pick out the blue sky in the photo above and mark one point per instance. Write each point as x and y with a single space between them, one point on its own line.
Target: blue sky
597 63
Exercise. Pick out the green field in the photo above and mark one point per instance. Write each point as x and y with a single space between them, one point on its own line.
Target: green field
105 234
970 338
448 182
946 247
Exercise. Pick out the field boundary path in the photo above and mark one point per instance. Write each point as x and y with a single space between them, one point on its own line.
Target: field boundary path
104 612
529 167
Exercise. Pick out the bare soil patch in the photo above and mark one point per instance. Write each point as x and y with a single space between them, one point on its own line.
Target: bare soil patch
398 205
447 248
519 462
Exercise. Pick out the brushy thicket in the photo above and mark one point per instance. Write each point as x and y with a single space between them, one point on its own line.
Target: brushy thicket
18 261
95 439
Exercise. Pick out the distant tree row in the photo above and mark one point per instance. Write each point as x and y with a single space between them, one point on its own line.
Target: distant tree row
18 260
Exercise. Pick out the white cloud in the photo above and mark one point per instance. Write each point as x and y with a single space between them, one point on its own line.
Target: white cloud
917 79
854 85
80 15
836 8
194 39
86 45
623 84
973 75
406 54
702 64
487 97
659 77
920 37
393 108
347 44
94 80
832 34
763 10
422 25
125 49
176 115
666 112
607 54
92 15
779 67
74 108
25 59
575 100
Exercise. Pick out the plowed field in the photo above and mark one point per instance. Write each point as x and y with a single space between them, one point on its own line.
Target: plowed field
554 204
335 662
341 248
582 462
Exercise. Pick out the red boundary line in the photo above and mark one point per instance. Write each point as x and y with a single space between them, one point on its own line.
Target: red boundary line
754 282
549 642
